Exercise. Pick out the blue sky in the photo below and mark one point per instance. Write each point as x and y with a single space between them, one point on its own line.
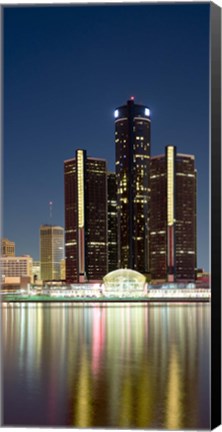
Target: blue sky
65 71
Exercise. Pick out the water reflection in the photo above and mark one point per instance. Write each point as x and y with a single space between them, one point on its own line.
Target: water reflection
106 365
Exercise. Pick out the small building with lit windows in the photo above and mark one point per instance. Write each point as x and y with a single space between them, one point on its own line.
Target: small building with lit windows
124 283
15 271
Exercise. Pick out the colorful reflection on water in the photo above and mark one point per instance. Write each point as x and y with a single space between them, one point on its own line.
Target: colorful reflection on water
106 365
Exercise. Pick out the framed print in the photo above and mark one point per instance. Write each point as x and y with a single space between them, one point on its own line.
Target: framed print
111 232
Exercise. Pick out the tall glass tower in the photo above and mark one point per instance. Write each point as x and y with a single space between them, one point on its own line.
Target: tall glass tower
51 251
85 218
172 222
132 138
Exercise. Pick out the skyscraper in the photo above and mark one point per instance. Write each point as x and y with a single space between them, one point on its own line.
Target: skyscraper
112 223
51 251
173 216
132 138
85 218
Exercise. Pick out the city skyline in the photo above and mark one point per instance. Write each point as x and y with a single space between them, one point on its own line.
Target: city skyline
50 132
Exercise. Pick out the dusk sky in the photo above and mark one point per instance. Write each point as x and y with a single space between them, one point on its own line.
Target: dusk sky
65 71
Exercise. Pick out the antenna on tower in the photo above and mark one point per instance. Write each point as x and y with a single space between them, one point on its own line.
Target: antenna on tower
50 210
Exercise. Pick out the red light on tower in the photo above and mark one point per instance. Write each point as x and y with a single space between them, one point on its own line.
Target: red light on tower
132 98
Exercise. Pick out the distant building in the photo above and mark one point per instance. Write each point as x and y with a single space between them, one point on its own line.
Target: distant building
132 138
36 271
15 267
202 278
85 218
51 251
112 223
173 216
7 247
63 269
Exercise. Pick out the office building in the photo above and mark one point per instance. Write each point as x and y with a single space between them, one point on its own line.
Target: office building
173 216
51 251
63 269
85 218
15 267
112 223
7 247
132 138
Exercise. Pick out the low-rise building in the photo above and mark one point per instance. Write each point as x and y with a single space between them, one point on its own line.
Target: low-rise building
16 267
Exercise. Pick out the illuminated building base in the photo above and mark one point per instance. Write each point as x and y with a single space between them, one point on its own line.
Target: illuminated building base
96 294
124 283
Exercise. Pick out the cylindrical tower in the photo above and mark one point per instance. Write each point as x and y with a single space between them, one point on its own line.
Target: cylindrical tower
132 138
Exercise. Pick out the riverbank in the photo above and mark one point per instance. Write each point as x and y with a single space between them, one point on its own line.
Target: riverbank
45 299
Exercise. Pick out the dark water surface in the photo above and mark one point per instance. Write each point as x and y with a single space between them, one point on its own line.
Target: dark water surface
106 365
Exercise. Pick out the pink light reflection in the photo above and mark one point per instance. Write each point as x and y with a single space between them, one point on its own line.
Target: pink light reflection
98 338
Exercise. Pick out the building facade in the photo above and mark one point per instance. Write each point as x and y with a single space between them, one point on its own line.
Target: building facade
17 266
112 223
36 271
173 245
63 269
7 247
85 218
158 218
132 139
51 251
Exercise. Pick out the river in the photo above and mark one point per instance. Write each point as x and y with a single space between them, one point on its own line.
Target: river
119 365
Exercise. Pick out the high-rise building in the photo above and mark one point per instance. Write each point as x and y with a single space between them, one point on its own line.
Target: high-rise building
132 138
85 218
173 216
51 251
7 247
112 223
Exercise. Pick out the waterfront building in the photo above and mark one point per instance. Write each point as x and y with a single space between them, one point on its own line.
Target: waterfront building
124 283
202 278
7 247
173 216
112 223
16 266
51 251
85 218
132 139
